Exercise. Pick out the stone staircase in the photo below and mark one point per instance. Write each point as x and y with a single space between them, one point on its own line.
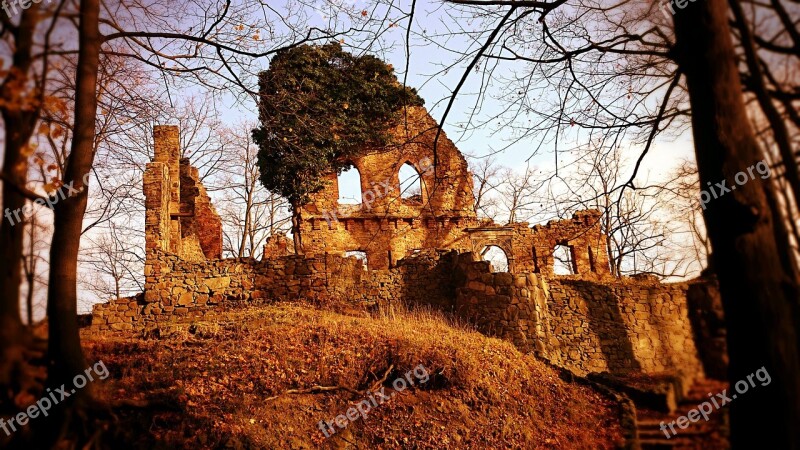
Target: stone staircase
711 435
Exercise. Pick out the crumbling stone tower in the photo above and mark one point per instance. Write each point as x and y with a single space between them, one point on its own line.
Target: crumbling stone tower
179 216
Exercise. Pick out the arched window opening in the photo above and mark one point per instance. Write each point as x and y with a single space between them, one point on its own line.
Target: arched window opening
563 260
410 183
350 187
358 254
497 258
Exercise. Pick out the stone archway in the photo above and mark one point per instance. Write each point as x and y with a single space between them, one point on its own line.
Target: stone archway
500 237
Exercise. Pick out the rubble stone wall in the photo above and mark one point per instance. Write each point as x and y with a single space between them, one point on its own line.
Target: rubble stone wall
622 326
387 226
505 305
582 235
619 326
179 216
186 290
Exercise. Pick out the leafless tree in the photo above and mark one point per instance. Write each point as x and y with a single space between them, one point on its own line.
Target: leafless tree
518 194
623 74
115 265
250 213
486 175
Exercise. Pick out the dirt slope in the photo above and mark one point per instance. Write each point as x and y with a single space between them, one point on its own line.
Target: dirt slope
229 384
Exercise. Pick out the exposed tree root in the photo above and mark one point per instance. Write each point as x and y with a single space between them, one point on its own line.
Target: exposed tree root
317 389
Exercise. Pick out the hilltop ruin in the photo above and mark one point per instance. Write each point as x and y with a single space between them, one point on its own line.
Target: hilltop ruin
420 251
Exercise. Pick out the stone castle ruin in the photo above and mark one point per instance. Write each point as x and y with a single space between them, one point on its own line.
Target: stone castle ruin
179 216
422 250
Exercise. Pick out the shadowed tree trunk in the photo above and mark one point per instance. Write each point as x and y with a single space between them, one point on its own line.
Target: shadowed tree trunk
296 236
65 355
19 122
779 129
759 287
30 268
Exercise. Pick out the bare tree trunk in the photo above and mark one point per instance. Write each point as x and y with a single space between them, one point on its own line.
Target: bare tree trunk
65 354
30 268
779 130
247 221
759 287
19 123
298 241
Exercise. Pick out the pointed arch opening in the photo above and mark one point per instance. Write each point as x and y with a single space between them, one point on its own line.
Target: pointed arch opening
349 182
410 183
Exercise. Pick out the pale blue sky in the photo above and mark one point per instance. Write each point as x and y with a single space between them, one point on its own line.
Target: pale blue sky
432 21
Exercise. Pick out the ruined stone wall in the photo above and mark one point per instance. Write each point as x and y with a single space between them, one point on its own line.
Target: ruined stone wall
199 222
622 327
179 216
619 326
582 234
530 249
509 306
386 226
616 326
186 290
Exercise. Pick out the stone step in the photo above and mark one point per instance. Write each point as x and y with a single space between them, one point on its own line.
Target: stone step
656 444
698 435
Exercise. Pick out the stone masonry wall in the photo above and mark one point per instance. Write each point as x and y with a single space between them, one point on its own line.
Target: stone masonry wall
185 290
530 249
179 216
620 326
581 234
617 326
509 306
386 226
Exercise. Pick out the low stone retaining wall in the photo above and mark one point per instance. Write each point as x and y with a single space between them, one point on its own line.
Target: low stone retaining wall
189 290
621 326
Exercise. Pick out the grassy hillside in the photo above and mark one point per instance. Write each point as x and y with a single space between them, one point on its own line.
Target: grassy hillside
247 381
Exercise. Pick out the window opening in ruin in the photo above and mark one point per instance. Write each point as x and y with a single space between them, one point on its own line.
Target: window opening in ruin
591 259
350 187
410 183
357 254
496 257
563 260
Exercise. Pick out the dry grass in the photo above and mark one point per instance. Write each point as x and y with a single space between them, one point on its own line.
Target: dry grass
482 393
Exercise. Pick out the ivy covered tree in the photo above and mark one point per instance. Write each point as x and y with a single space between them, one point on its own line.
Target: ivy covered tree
319 107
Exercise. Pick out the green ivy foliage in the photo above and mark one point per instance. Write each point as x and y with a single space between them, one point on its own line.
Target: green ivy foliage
320 107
